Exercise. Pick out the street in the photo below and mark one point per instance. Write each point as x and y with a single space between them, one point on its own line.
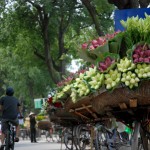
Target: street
41 145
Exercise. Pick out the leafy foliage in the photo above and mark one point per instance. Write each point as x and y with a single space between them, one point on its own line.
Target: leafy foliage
25 50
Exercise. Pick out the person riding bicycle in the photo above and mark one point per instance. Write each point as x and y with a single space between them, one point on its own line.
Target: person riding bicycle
10 107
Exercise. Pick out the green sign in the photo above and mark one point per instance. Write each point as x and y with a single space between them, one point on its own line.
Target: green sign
38 103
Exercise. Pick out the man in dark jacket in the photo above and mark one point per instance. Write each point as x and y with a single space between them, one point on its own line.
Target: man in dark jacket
32 127
10 107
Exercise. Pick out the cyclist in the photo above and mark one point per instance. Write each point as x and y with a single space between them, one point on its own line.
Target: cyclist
10 107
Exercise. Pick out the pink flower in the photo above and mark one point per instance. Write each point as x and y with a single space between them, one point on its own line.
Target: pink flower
91 47
92 66
94 42
101 41
84 46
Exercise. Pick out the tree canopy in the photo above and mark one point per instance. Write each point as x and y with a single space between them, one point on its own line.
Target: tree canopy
39 39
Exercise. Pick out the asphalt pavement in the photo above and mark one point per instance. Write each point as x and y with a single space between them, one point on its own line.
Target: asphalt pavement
44 145
41 145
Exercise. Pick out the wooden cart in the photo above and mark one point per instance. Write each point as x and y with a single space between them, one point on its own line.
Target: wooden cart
126 105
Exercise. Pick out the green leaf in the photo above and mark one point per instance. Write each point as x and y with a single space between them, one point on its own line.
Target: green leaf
107 54
100 50
86 56
115 43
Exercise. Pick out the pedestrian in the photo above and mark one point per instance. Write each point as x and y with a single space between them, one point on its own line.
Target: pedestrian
32 127
10 107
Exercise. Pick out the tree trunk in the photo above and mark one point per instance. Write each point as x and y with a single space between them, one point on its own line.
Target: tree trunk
127 4
133 3
94 16
30 85
44 23
53 73
144 3
120 4
2 91
61 46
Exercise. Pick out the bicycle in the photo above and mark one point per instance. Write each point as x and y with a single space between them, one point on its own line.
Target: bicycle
9 138
68 139
78 137
54 135
10 135
106 139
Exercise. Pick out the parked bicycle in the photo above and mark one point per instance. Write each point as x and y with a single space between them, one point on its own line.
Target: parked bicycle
54 134
109 139
68 139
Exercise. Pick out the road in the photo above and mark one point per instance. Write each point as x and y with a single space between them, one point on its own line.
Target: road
44 145
41 145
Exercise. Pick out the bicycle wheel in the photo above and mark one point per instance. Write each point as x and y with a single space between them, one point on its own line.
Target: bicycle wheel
7 141
49 137
143 142
75 136
83 137
12 143
56 137
101 140
68 140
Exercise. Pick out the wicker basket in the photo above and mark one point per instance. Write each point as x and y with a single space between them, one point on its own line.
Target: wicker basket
87 100
122 95
63 117
70 105
44 125
102 100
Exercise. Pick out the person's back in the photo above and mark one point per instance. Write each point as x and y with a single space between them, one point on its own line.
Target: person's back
10 107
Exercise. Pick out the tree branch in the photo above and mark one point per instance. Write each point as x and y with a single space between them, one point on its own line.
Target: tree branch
55 66
92 12
38 54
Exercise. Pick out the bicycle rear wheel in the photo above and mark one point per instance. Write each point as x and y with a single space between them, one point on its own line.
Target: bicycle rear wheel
7 141
12 143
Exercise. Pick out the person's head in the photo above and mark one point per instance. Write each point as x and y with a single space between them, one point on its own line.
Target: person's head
32 114
9 91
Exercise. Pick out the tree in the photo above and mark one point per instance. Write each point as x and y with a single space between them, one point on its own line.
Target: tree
42 17
41 37
99 12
